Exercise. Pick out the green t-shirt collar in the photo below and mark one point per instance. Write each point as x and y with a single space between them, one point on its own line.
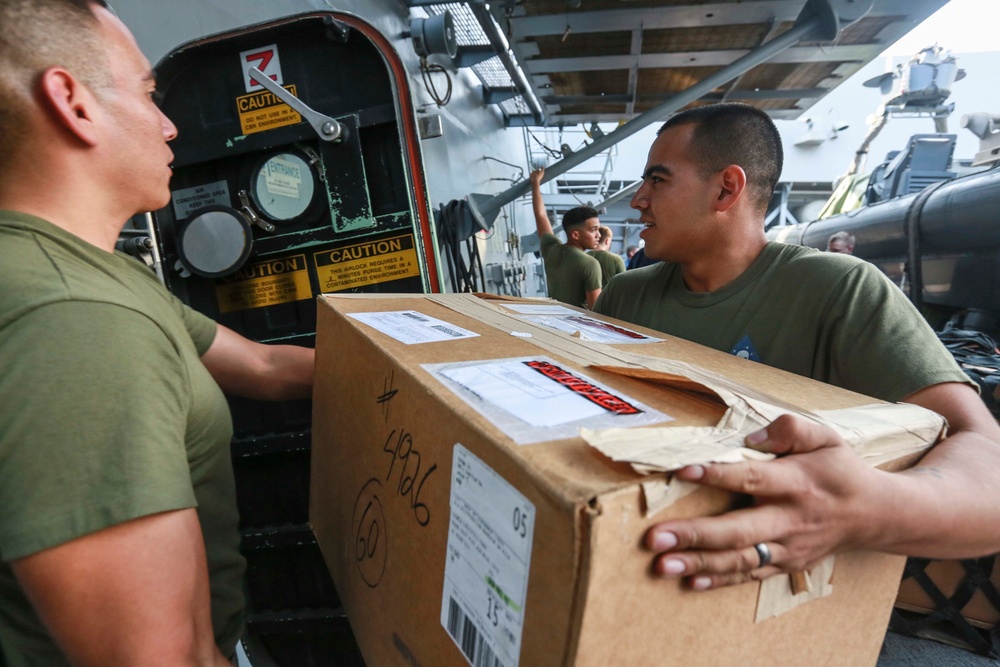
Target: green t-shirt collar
705 299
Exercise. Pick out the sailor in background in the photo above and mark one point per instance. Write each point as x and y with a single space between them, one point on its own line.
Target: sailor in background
611 263
842 242
572 275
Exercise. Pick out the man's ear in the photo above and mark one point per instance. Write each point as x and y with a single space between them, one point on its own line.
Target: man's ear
70 102
732 182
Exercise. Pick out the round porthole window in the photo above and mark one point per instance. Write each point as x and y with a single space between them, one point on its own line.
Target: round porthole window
283 186
215 242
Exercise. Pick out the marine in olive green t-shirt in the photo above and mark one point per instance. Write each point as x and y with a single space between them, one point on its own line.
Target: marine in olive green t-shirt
834 318
109 415
611 265
569 271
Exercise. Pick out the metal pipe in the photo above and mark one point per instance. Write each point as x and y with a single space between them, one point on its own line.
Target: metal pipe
490 208
958 217
954 248
627 191
155 250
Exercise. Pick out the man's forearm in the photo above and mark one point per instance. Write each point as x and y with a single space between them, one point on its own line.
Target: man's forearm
542 223
947 506
254 370
292 375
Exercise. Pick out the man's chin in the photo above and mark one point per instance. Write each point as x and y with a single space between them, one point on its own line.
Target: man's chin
651 253
156 203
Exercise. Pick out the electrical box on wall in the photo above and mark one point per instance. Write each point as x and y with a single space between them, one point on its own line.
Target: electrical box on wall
309 182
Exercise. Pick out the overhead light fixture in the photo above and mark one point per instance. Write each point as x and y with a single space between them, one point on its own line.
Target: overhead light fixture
434 35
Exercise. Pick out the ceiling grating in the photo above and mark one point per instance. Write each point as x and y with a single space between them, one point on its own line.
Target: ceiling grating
586 61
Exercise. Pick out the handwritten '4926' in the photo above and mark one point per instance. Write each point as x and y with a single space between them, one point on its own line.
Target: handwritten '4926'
400 448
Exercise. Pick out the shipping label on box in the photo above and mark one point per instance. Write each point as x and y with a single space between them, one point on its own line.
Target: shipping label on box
413 328
489 553
534 399
561 318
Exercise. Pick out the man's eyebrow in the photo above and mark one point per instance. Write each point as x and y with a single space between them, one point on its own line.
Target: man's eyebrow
656 169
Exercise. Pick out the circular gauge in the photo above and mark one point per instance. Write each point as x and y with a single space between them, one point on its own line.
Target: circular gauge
283 187
215 242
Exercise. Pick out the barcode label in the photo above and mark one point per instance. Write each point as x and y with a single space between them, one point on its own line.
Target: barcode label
412 328
490 532
449 331
464 632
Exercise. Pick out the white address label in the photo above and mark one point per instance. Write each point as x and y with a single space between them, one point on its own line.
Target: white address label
486 572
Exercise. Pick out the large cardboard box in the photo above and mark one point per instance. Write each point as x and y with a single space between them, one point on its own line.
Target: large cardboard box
451 543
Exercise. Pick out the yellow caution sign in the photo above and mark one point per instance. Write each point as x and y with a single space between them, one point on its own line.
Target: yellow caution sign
263 110
265 284
367 263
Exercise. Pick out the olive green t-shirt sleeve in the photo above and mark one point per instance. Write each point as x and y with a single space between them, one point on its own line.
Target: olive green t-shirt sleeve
201 327
546 241
590 271
603 304
92 430
606 303
878 344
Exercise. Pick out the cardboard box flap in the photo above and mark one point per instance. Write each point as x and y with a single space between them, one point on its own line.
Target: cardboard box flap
883 432
895 431
747 410
673 373
877 431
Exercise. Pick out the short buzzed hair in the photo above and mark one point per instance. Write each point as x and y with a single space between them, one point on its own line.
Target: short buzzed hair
577 216
606 233
36 35
733 133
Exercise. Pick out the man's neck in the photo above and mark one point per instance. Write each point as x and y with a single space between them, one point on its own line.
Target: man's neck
73 206
714 272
